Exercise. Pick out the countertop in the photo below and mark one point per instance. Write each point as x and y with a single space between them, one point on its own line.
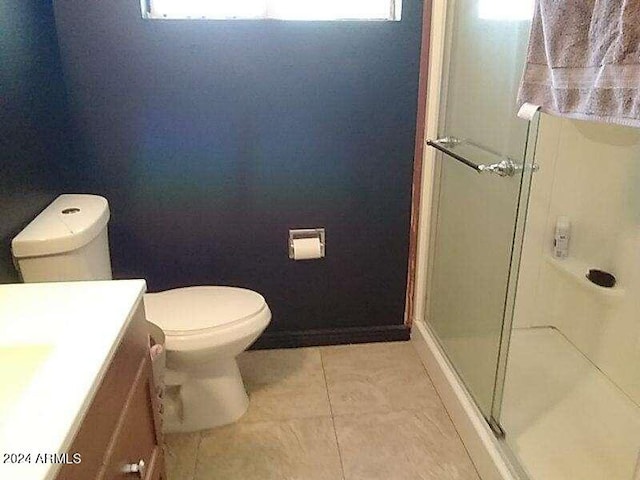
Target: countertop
56 342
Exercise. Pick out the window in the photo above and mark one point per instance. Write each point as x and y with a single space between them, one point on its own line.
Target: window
273 9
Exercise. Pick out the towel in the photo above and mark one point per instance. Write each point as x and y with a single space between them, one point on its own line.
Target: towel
583 60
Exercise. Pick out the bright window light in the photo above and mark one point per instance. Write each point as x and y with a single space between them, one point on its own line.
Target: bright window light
506 9
274 9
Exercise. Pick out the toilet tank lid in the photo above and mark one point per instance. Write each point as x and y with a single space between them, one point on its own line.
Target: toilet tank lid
68 223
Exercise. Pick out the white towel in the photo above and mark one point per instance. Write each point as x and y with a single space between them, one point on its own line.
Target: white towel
584 60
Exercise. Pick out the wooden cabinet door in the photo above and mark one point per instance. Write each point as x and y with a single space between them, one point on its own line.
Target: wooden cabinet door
102 418
135 439
156 469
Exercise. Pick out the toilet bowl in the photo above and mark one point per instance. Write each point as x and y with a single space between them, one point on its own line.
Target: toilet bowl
205 327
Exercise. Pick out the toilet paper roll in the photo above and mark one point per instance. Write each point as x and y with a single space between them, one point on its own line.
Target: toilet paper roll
306 248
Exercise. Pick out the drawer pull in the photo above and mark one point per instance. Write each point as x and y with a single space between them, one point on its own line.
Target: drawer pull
138 468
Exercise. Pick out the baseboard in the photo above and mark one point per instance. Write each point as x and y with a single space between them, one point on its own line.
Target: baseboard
483 447
332 336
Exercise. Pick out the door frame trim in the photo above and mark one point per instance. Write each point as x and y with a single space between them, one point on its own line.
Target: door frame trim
425 161
417 187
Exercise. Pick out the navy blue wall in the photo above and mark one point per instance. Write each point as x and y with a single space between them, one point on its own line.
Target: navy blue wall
36 158
211 139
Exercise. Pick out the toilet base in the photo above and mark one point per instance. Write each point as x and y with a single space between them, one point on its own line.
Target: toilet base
206 398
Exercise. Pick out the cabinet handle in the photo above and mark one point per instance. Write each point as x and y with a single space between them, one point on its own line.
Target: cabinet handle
139 468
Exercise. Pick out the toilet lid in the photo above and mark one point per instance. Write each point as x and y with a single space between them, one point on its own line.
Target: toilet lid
192 309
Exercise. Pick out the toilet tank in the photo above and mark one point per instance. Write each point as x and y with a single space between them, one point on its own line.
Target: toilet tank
67 241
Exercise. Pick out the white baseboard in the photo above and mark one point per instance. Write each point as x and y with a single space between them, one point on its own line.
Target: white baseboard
482 445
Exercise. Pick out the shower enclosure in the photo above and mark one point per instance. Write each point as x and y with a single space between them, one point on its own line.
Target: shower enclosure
551 361
484 171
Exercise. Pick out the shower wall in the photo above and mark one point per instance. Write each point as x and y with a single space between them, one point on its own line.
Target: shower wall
590 173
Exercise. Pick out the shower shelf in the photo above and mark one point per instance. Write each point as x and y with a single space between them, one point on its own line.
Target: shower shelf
577 271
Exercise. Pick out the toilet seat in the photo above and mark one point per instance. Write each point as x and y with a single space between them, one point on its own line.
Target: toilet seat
200 317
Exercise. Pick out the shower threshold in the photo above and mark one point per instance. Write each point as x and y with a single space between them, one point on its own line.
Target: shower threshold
563 417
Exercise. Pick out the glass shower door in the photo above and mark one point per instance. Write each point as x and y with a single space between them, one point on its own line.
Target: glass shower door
484 169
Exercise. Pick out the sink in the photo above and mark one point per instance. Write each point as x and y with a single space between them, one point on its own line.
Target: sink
18 365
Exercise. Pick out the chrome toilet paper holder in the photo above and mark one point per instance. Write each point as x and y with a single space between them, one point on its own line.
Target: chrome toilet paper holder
306 233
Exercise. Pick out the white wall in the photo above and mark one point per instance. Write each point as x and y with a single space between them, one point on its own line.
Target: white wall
591 173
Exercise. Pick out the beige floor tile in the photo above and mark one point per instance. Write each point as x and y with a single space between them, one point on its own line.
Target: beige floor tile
377 377
284 384
302 449
180 455
404 445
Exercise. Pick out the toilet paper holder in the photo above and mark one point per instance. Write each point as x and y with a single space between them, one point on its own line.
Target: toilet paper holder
307 233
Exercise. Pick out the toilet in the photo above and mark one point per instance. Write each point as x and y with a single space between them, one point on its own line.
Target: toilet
205 327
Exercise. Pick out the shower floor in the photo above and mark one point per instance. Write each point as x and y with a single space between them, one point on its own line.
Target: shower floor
563 417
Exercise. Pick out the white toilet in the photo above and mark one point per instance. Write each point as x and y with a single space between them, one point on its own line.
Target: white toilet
205 327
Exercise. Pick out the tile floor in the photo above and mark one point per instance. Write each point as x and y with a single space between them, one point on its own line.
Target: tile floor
353 412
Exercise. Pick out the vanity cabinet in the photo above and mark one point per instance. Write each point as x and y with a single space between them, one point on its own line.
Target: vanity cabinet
120 436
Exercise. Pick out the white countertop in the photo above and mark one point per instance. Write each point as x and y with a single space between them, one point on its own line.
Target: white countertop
56 342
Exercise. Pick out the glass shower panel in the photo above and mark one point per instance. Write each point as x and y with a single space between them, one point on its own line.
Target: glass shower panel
475 213
485 61
571 406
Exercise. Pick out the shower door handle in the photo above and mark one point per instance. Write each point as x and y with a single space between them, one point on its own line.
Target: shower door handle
450 145
505 168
